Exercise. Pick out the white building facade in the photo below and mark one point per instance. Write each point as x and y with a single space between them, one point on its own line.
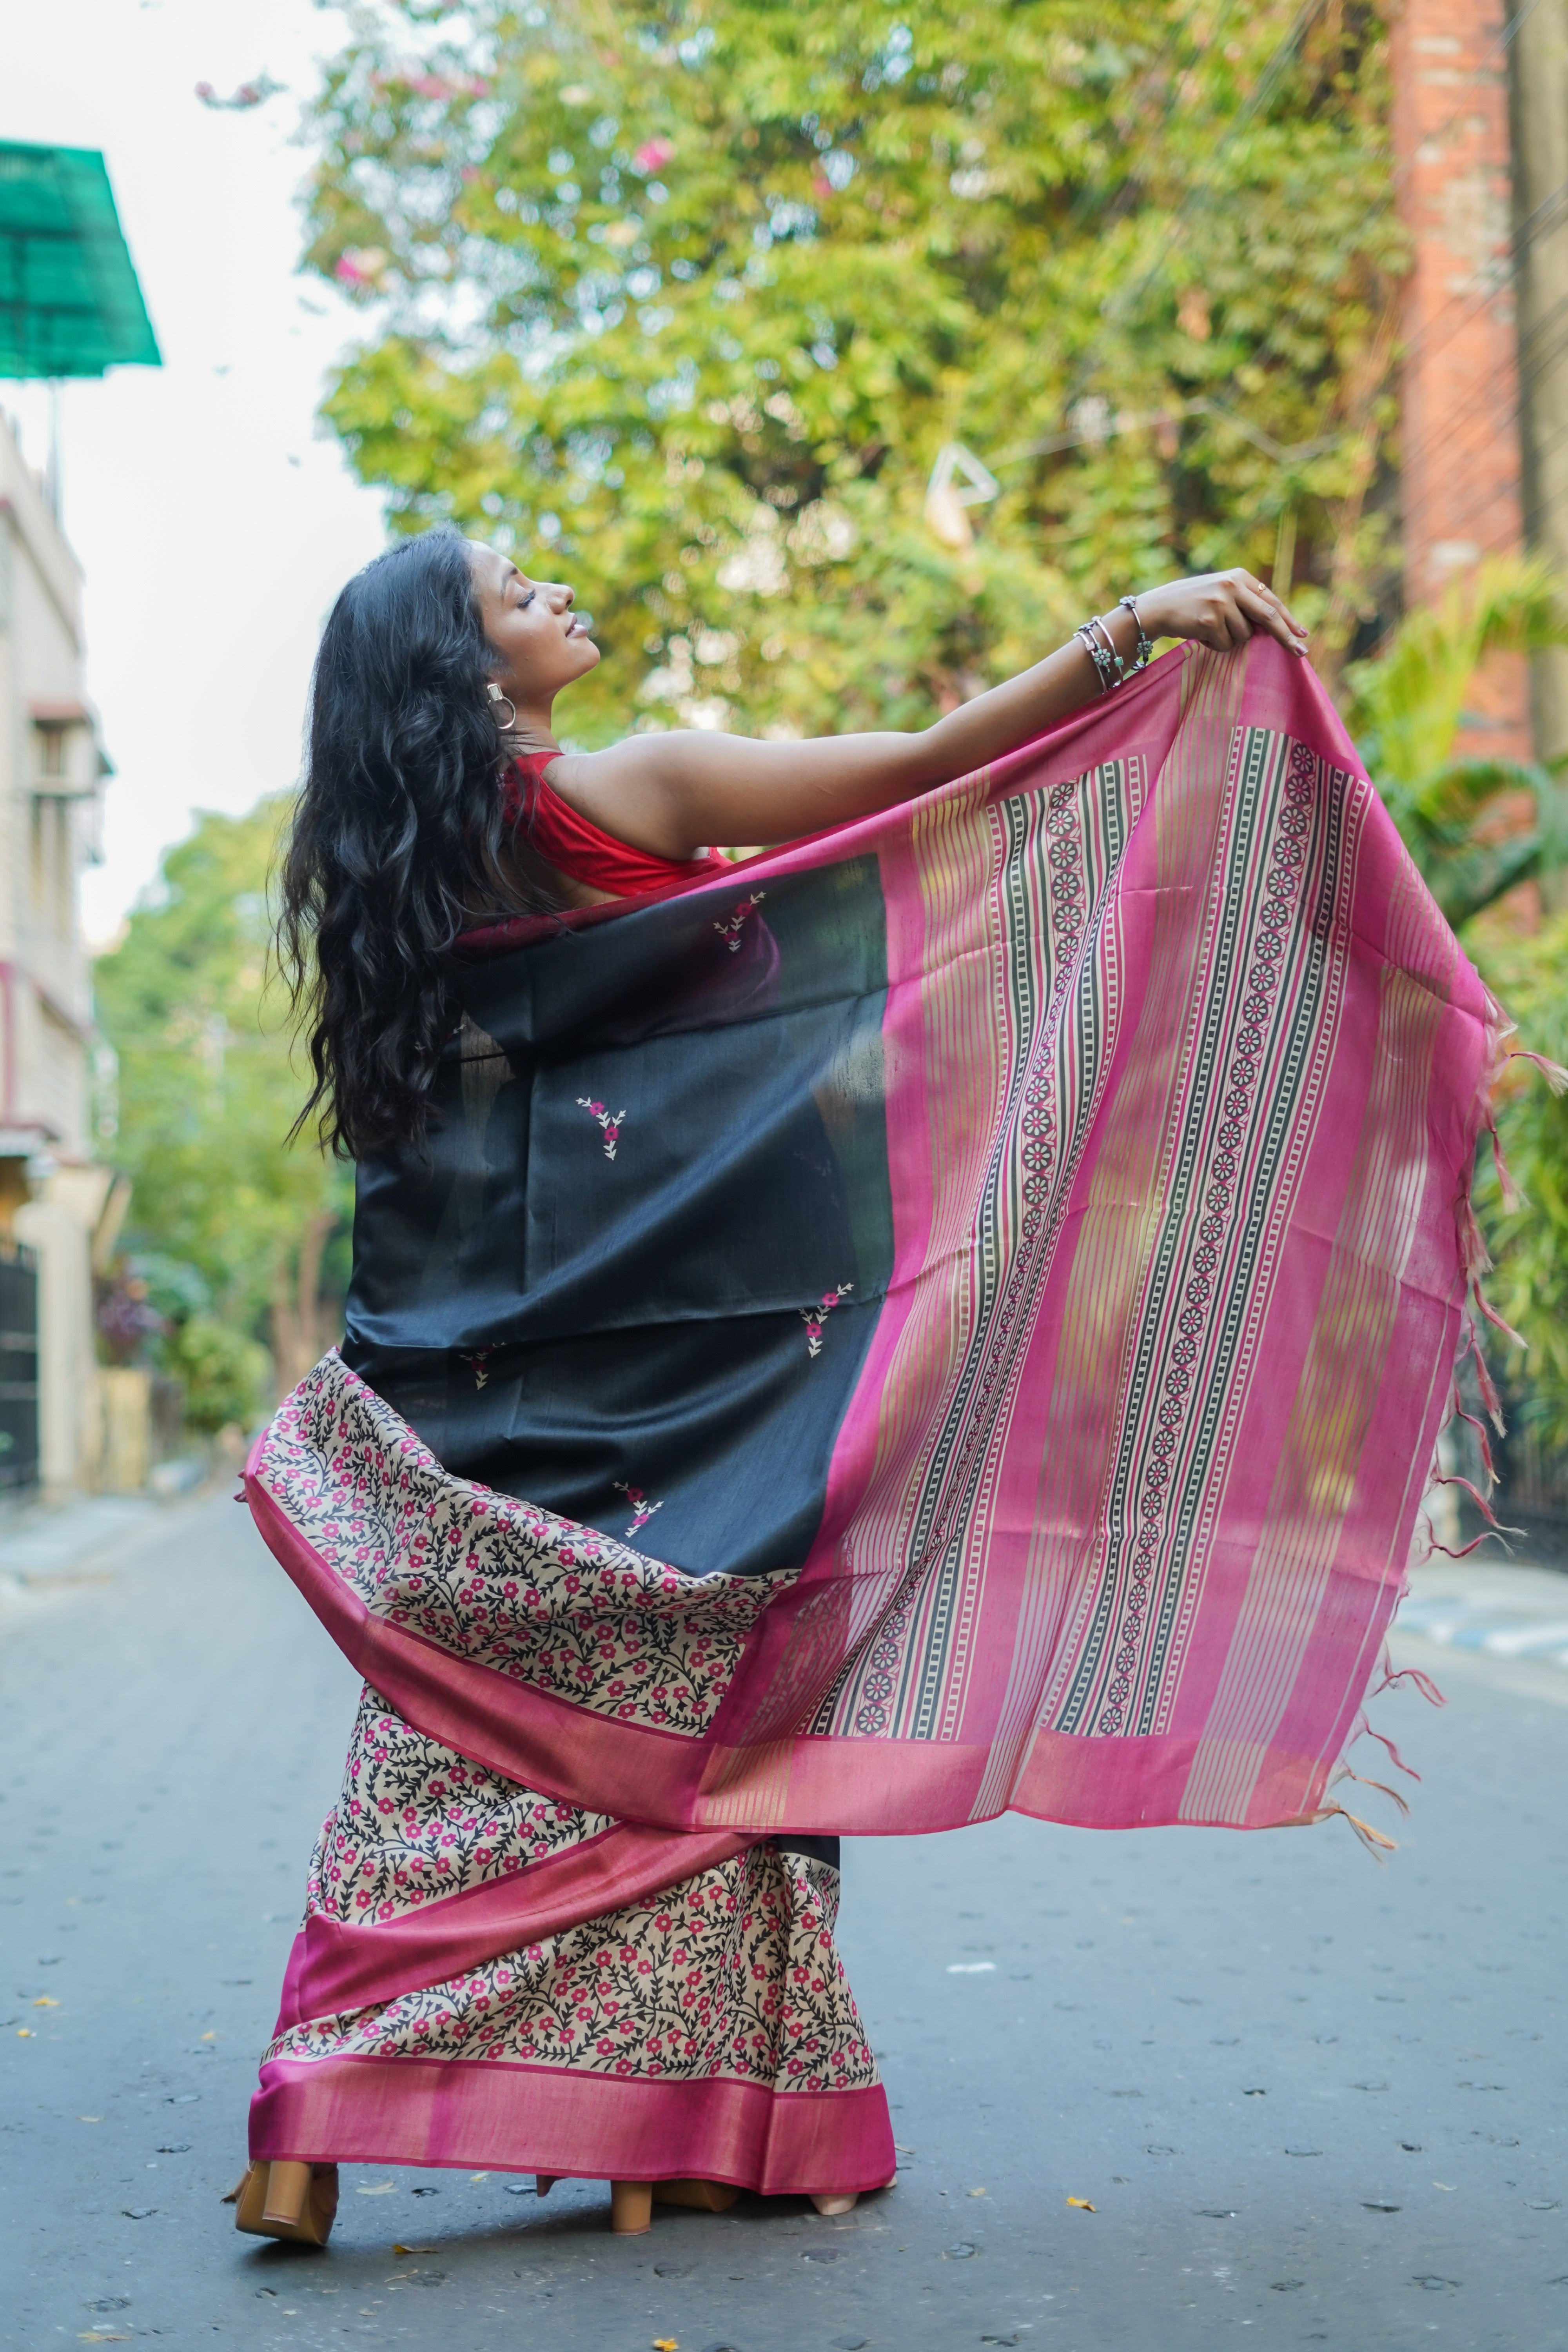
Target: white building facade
55 1196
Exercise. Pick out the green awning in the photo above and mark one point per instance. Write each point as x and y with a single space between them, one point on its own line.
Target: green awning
69 300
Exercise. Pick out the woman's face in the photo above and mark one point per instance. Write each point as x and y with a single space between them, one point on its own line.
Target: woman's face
541 644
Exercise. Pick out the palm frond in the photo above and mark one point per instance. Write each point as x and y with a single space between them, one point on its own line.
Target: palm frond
1405 707
1474 879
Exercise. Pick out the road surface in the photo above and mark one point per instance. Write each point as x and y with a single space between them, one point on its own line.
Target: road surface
1306 2099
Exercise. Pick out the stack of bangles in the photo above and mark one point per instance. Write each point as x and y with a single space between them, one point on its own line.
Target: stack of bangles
1109 667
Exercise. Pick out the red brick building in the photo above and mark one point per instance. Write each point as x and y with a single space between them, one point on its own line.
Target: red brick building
1460 459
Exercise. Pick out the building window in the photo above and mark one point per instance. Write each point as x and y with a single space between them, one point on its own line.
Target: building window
51 751
38 854
51 864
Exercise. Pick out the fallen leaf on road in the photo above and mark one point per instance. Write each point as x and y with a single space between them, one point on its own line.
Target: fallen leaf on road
414 2249
478 2176
971 1968
382 2189
1083 2203
24 2033
46 2001
1449 2185
89 2119
977 2192
98 2335
665 2344
209 2037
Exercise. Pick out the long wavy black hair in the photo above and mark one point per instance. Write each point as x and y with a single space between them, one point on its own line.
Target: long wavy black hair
397 843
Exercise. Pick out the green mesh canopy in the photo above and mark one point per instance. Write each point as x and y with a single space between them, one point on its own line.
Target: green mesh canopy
69 300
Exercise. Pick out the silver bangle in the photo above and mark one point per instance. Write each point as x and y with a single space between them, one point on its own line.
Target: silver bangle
1109 667
1122 670
1145 650
1104 663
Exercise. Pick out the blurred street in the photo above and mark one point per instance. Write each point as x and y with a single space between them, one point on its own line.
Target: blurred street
1306 2097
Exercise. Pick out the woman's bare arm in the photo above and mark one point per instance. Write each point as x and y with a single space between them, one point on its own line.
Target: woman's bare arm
673 792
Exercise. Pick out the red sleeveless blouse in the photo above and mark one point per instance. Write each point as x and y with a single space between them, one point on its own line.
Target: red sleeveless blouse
575 846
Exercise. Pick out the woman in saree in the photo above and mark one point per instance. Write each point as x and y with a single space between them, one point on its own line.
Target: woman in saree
676 2018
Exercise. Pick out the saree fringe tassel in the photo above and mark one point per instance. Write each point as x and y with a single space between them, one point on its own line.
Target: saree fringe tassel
995 1369
1365 1730
1555 1075
1377 1845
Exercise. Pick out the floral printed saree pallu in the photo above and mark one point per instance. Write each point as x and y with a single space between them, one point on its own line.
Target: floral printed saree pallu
956 1318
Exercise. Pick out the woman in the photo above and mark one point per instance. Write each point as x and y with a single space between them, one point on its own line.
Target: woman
690 2031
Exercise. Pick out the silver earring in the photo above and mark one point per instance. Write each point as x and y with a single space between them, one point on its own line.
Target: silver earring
508 724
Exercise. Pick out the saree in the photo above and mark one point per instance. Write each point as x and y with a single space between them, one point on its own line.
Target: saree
953 1316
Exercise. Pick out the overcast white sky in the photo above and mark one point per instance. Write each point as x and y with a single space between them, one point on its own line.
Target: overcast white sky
214 523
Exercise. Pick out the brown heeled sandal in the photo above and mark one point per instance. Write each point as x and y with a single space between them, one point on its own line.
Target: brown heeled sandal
631 2207
697 2196
632 2203
298 2202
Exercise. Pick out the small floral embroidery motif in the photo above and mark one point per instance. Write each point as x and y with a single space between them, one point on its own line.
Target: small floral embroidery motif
609 1120
815 1317
480 1366
730 932
643 1509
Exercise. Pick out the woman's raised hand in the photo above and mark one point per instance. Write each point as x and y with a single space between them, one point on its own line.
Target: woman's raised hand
1219 609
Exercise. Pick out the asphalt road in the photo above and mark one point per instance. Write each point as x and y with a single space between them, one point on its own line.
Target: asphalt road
1308 2098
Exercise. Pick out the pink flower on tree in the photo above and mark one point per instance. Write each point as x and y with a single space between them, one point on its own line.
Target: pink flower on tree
653 155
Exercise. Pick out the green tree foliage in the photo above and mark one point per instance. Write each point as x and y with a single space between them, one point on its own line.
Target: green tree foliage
681 299
227 1220
1462 820
1530 1243
1477 828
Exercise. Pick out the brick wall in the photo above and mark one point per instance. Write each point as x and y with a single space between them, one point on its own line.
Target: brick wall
1459 431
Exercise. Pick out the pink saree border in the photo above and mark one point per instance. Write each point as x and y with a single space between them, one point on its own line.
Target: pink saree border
338 1965
640 1775
828 1787
509 2118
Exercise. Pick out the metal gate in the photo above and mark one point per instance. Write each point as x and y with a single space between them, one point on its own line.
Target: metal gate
18 1365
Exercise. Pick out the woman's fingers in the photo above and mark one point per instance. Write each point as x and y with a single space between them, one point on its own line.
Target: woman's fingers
1222 609
1264 610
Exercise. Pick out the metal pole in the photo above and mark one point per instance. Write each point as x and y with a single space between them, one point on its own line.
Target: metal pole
1538 96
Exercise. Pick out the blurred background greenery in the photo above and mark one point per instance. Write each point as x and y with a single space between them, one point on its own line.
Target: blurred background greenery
235 1256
